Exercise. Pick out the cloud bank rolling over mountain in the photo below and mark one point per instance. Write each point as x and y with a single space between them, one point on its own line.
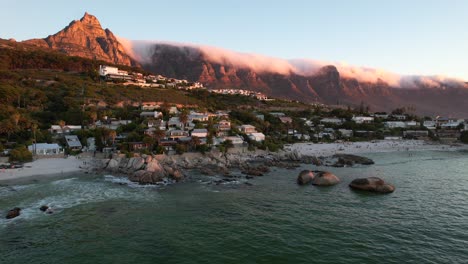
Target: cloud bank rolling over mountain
143 50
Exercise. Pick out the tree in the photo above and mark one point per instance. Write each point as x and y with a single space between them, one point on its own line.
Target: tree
7 127
112 136
464 137
183 117
15 118
21 154
61 123
149 141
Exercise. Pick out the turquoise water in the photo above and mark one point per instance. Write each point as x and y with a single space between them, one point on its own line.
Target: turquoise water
96 220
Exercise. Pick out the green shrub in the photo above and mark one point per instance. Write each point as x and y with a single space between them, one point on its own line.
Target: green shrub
21 154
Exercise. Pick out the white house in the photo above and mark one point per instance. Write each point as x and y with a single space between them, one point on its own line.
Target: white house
412 123
201 117
161 124
256 136
429 124
200 133
399 117
346 133
154 114
332 120
45 149
363 119
395 124
56 129
105 70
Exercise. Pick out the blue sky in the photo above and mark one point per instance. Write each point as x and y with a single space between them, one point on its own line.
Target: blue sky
408 37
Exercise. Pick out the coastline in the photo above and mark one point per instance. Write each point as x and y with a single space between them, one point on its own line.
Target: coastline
43 169
47 168
329 149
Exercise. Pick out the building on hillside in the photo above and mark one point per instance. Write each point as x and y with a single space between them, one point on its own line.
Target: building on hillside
45 149
200 133
200 117
346 133
73 142
246 129
58 130
277 114
154 114
381 115
412 124
395 124
399 117
259 137
236 140
176 134
332 120
363 119
285 119
160 124
429 124
173 110
150 106
174 122
134 146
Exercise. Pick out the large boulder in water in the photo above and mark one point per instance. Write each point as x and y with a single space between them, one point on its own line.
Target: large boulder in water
13 213
154 166
372 184
113 165
138 163
325 178
305 177
146 177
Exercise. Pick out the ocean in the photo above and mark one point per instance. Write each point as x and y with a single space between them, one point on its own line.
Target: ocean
103 219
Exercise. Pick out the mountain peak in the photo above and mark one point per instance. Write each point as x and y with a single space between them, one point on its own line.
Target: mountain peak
90 20
86 38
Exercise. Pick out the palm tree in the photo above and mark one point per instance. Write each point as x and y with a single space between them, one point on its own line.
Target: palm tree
183 117
15 118
159 134
112 135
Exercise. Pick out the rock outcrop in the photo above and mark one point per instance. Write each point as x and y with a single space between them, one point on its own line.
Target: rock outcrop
305 177
15 212
325 178
86 38
144 169
372 184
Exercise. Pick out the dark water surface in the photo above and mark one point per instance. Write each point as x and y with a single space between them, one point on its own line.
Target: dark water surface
274 221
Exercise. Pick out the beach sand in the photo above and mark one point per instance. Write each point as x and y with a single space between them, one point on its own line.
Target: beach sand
328 149
44 168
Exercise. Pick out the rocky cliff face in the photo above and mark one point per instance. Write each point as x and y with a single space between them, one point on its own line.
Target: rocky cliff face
326 86
86 38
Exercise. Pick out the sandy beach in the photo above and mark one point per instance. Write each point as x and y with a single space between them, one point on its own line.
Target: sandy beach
328 149
44 167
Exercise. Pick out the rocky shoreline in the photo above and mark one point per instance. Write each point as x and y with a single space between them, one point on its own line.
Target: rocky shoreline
157 169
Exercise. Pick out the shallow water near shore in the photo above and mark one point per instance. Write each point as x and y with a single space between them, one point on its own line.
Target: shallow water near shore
102 219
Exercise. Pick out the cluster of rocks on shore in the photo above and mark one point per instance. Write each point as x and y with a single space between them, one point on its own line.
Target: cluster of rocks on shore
154 169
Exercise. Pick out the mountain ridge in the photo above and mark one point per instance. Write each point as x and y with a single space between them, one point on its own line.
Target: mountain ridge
329 84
